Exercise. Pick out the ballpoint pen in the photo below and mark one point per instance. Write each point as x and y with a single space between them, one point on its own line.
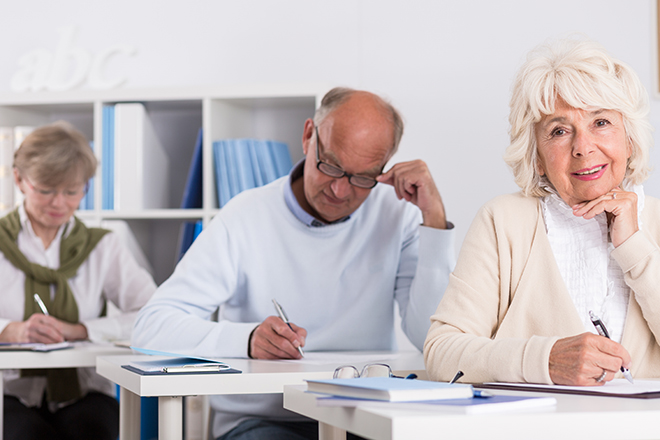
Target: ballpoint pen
457 376
280 311
475 393
600 327
41 304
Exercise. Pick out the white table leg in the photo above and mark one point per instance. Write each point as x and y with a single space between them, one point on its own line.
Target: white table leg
170 418
129 415
329 432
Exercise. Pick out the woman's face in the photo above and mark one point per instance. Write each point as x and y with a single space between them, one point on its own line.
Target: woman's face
50 208
583 153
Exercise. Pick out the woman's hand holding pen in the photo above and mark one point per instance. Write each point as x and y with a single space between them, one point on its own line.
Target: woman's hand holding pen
44 329
621 209
274 339
586 360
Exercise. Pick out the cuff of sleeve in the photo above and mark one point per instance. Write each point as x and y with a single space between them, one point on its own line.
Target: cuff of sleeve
240 335
536 359
436 246
637 248
101 330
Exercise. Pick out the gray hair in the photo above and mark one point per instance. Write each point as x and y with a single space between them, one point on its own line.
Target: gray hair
54 154
339 95
585 76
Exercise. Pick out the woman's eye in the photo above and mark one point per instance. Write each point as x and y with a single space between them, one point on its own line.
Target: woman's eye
602 122
558 132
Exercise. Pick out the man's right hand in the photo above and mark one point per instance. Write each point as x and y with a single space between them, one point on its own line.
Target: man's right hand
273 339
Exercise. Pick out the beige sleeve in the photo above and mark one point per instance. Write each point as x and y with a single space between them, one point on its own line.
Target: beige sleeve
463 329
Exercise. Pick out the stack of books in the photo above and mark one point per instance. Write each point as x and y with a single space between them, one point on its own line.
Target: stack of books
415 395
134 163
242 164
10 139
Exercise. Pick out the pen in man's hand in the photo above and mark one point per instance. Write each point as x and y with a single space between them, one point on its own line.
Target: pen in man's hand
280 312
41 304
600 327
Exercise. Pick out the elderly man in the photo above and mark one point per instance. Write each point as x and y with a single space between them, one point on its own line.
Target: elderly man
333 246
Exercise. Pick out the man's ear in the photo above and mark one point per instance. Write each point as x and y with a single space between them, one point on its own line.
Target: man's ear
308 135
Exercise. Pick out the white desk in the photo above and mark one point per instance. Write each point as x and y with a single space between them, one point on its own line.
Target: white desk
574 417
82 355
258 377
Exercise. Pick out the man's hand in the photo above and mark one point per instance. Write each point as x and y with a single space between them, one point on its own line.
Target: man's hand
413 181
583 359
273 339
44 329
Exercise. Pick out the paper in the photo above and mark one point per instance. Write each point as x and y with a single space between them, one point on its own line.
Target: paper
174 355
475 405
346 358
616 387
35 346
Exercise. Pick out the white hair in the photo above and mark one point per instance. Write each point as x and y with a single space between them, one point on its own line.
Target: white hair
585 76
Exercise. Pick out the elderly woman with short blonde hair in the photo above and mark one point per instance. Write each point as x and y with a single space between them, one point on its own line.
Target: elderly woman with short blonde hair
50 259
580 238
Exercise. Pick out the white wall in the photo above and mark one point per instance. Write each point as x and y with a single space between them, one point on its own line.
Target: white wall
448 65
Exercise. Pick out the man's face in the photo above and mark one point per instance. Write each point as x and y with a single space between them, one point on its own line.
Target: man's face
356 138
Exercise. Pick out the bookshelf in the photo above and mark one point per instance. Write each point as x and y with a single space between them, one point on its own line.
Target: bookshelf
257 111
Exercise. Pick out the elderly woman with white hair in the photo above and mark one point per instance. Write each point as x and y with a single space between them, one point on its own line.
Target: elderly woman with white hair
580 237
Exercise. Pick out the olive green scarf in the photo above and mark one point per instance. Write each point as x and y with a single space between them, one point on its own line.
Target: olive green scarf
63 384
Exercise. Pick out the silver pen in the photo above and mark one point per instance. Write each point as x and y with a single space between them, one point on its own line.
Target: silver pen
41 304
280 312
600 327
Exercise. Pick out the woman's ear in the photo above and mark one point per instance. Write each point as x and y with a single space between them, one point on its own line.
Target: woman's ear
18 179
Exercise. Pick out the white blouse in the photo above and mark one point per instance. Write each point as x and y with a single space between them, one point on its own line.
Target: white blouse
110 273
582 249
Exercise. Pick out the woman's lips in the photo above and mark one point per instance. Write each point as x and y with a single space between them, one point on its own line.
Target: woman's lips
592 173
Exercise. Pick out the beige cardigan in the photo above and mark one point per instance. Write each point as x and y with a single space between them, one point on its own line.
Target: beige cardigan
506 303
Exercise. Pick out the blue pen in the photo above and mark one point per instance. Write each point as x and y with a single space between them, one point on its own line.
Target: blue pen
280 311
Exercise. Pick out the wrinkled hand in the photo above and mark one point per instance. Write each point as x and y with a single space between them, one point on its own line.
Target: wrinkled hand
44 329
413 181
273 339
621 209
581 360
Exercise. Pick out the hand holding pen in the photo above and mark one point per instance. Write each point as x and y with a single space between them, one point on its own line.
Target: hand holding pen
276 338
600 327
280 312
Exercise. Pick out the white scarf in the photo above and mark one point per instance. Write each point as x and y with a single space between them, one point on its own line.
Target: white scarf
582 250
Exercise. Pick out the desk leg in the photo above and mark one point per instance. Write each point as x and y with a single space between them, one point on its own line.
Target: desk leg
170 418
129 415
329 432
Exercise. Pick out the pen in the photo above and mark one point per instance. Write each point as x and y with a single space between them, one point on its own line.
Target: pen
600 327
280 311
457 376
41 304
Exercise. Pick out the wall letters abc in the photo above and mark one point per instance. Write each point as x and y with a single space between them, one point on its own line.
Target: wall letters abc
68 68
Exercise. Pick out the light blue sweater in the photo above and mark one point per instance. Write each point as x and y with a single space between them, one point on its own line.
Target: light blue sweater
339 282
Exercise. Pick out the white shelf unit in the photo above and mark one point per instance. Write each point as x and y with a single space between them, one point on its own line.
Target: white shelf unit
258 111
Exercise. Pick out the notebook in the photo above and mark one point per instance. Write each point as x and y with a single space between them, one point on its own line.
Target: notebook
390 389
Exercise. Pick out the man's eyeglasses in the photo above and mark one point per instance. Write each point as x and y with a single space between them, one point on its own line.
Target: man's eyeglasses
369 370
50 194
336 172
